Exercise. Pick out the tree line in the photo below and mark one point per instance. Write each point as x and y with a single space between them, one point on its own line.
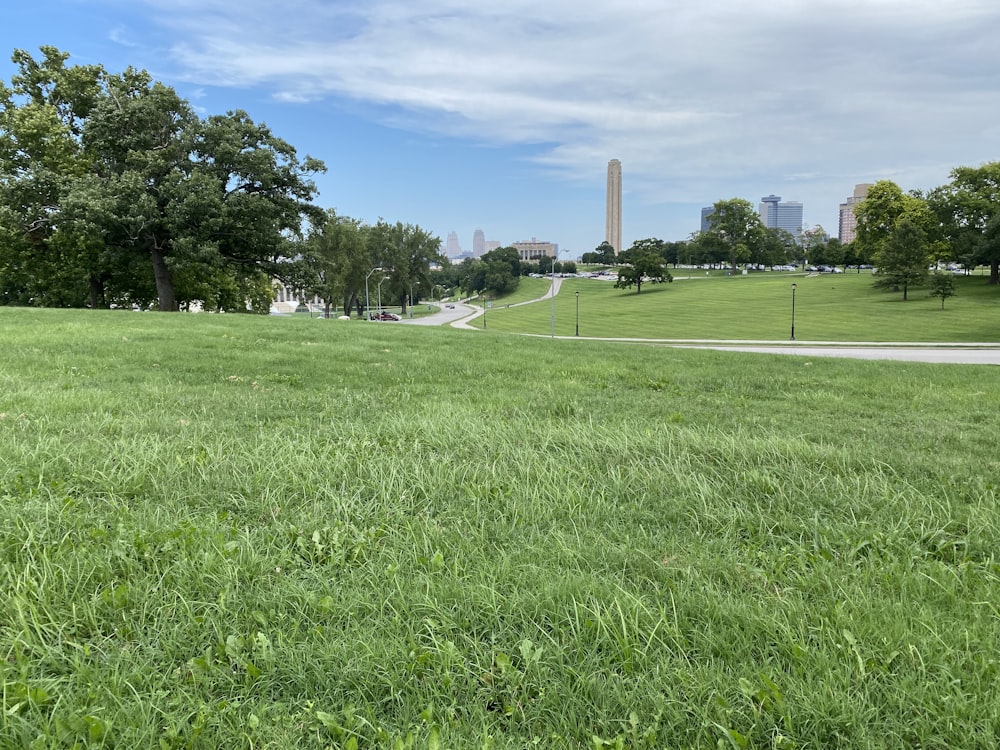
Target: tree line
114 192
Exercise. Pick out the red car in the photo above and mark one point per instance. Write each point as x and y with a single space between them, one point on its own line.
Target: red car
383 315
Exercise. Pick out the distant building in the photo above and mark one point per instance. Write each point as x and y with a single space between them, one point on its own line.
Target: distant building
706 214
535 249
847 226
287 300
478 243
777 215
490 246
613 211
452 248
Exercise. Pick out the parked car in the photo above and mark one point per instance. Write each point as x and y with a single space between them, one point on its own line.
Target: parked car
383 315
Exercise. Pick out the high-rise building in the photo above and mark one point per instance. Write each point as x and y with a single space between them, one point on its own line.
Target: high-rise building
452 248
491 245
613 212
778 215
706 212
478 243
847 226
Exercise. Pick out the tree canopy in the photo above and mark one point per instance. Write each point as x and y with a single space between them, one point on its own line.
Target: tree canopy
115 192
644 263
735 233
968 209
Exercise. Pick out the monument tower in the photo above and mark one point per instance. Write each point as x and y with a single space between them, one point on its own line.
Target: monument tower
613 214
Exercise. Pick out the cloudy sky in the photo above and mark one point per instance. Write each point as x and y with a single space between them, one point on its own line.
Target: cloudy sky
457 114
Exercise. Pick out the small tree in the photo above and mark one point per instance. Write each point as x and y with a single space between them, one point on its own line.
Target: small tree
902 260
648 266
942 285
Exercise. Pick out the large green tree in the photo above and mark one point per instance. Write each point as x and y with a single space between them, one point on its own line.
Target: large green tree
879 214
406 252
113 182
332 262
965 207
42 115
497 272
734 232
643 263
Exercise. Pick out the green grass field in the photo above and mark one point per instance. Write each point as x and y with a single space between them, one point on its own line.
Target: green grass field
841 307
243 532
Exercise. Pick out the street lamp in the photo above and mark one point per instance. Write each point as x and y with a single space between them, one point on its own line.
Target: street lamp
486 304
380 294
553 297
578 313
793 313
367 304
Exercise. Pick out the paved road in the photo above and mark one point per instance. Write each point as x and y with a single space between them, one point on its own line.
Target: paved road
907 352
445 315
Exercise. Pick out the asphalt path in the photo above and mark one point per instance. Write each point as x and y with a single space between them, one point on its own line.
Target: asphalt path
986 353
445 315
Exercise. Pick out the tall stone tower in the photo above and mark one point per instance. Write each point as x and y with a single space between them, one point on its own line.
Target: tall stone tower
613 213
478 243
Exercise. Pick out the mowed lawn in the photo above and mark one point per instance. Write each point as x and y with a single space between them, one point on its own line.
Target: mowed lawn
244 532
828 307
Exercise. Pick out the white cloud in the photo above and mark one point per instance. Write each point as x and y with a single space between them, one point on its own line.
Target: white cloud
120 35
690 95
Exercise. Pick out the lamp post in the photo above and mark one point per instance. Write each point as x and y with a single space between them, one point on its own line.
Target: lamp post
486 304
411 300
367 304
793 313
578 313
380 294
553 298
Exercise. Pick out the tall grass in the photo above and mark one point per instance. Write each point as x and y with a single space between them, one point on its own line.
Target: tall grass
221 531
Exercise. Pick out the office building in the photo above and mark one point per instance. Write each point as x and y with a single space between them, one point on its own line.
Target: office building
452 248
478 243
706 214
776 214
613 211
847 225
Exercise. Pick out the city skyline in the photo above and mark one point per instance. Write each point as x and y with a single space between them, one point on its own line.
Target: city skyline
417 125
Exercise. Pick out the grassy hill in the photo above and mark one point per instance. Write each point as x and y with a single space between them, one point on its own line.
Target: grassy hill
232 531
841 307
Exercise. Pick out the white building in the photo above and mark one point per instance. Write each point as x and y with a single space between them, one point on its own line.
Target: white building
534 249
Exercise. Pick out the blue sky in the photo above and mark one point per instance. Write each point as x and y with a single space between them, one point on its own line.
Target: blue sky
457 115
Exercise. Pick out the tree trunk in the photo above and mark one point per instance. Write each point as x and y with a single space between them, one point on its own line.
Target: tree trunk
905 287
97 293
164 283
995 272
326 309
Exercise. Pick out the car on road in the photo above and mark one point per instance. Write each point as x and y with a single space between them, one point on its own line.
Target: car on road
384 316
